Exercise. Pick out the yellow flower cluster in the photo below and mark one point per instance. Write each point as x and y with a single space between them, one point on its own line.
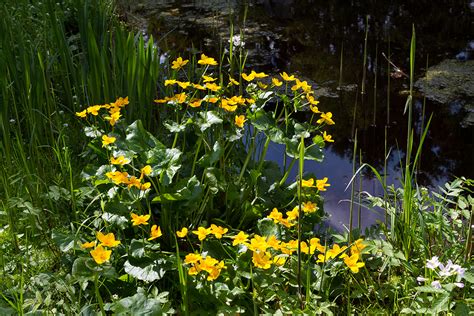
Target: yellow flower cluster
99 253
138 220
113 110
208 264
119 177
320 184
291 216
203 232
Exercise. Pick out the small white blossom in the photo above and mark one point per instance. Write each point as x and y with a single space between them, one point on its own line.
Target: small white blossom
459 284
436 284
237 42
421 279
433 263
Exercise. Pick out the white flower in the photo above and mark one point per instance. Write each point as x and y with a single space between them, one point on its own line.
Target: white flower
459 284
436 284
237 42
433 263
421 279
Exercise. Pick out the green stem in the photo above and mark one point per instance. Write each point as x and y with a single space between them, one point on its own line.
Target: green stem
97 293
287 172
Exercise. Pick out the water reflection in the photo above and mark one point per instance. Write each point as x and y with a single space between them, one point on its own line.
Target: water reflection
313 39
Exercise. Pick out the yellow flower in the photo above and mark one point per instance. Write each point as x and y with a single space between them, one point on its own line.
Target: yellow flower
215 271
250 101
314 244
273 242
358 246
145 186
279 260
258 243
100 255
108 240
133 182
327 138
170 82
227 105
213 87
88 244
139 219
293 214
276 82
166 99
326 118
311 99
183 85
146 170
259 74
275 215
240 238
309 207
262 259
336 250
195 103
178 63
155 232
352 263
113 118
208 79
261 85
307 183
120 160
323 257
117 177
198 86
240 120
314 109
218 231
205 60
82 113
212 100
238 99
120 102
285 77
202 232
106 140
94 110
192 258
182 233
248 77
322 184
180 97
233 81
303 85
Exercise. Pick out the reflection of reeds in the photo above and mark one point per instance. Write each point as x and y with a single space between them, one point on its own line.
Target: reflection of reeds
351 208
341 60
364 69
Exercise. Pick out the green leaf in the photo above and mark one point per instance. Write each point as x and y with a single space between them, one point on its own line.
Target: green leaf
174 127
138 304
137 248
262 120
140 140
145 269
440 303
65 242
267 228
207 119
211 158
84 268
428 289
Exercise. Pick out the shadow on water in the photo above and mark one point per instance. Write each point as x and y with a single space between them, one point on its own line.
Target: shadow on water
312 39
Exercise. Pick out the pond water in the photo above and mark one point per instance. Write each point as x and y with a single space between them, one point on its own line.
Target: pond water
324 43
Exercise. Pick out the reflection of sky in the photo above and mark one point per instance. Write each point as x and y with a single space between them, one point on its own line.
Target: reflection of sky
339 172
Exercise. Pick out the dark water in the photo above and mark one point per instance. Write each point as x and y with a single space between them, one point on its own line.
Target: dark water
309 38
